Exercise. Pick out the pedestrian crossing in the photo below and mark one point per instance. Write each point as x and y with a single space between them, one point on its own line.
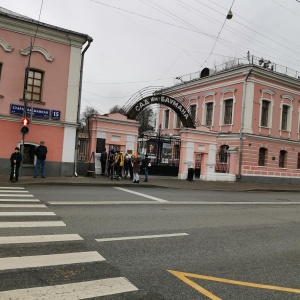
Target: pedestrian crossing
55 253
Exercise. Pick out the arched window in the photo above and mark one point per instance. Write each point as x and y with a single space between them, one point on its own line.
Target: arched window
262 156
282 158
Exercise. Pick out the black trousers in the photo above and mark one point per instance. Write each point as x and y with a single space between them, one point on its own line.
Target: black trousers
103 166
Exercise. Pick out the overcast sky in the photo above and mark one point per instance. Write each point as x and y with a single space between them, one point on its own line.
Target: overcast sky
141 43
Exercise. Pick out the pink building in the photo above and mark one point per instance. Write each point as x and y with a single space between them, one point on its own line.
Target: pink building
247 117
51 59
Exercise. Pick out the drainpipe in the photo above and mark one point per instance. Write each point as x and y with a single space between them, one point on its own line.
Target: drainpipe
242 125
89 40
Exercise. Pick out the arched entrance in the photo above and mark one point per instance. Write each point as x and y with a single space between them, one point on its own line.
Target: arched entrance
164 151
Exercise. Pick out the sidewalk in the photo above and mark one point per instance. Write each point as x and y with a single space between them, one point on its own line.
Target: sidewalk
154 181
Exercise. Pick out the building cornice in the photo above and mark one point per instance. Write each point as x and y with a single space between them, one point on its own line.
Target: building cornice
45 31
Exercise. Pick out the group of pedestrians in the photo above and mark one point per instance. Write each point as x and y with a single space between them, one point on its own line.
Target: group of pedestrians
118 165
16 159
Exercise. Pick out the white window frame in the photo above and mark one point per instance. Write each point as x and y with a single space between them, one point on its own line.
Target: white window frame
222 115
270 113
175 120
289 117
205 113
164 119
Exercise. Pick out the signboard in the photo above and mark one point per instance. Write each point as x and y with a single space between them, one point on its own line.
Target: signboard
35 112
166 150
55 114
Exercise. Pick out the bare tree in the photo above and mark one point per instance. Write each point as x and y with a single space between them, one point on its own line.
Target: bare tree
85 115
114 109
146 119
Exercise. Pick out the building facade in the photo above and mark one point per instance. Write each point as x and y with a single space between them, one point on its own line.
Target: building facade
40 78
247 117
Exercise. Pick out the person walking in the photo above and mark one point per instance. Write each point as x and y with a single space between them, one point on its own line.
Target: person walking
15 162
146 165
41 153
136 161
103 161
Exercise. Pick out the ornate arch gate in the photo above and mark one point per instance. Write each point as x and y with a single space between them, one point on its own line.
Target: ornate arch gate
165 155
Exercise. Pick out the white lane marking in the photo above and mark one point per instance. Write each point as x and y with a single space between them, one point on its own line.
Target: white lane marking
23 205
141 237
10 263
10 191
39 238
167 203
71 291
140 194
11 188
26 213
15 195
32 224
101 202
19 200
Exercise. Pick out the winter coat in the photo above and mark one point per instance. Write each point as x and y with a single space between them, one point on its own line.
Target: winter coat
40 152
17 157
136 161
145 163
103 156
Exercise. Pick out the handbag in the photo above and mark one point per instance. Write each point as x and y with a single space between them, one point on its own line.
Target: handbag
149 164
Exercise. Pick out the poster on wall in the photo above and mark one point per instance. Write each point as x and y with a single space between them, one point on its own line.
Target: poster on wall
166 150
100 145
151 148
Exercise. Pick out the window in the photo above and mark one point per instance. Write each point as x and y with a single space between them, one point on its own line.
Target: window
284 117
265 106
209 113
228 106
282 158
262 156
177 121
193 110
223 154
28 155
166 117
34 85
298 161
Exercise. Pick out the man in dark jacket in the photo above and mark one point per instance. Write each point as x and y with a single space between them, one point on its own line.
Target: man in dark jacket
103 160
40 152
15 162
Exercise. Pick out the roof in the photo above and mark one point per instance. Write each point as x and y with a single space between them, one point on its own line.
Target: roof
14 15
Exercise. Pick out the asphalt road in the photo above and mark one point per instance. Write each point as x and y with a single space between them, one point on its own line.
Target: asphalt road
160 243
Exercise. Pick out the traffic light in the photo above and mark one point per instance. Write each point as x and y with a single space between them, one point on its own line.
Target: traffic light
24 127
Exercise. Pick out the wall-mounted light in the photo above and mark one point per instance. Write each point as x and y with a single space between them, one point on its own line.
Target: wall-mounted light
229 15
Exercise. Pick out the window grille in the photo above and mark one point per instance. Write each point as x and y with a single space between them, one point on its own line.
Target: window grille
34 85
282 158
262 156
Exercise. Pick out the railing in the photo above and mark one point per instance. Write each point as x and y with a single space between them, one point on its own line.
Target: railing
222 162
249 60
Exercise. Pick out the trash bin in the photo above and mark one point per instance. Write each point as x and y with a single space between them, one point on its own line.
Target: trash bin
190 175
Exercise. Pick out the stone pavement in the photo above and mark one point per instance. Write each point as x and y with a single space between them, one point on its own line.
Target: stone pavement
154 181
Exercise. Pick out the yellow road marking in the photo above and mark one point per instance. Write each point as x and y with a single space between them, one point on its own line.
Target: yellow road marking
183 276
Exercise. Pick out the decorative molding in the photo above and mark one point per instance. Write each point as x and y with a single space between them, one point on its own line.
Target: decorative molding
209 94
267 91
6 46
230 90
39 49
289 97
